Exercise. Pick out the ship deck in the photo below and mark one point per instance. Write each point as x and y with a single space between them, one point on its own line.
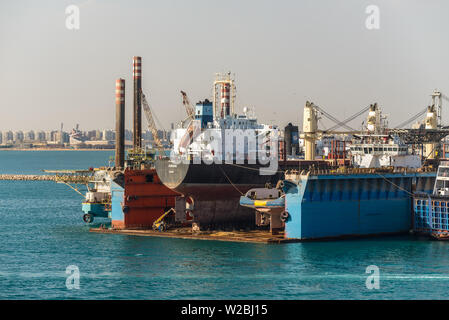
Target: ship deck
253 236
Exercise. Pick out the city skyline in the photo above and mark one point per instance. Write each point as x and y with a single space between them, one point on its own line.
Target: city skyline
94 134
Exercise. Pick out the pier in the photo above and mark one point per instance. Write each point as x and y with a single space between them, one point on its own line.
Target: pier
253 236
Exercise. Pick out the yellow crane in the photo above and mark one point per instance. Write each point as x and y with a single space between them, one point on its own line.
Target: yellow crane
160 224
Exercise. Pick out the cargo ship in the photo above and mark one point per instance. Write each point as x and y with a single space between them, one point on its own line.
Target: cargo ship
217 157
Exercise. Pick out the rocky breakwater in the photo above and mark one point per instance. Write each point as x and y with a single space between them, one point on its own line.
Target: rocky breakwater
27 177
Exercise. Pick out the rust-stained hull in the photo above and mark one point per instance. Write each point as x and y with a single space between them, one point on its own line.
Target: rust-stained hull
144 200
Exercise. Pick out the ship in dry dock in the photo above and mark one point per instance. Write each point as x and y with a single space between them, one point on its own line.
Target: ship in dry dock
225 169
219 155
323 199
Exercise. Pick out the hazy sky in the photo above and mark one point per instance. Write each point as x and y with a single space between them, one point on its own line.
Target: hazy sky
282 53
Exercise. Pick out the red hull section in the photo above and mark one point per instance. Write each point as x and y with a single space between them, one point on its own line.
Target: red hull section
145 198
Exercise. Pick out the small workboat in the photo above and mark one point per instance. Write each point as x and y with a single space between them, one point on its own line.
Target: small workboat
269 204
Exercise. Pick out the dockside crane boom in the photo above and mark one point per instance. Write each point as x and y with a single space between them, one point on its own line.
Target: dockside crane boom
150 120
189 108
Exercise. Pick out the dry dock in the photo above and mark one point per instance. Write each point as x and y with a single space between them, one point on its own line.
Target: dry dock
255 236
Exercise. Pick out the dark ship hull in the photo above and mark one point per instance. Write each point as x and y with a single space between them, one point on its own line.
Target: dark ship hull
215 189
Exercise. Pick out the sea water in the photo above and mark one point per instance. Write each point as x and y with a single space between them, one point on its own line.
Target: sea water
42 234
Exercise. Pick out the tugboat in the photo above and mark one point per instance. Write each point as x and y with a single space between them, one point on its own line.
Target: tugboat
431 211
98 198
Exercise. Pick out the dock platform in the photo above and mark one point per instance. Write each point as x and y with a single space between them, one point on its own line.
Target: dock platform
253 236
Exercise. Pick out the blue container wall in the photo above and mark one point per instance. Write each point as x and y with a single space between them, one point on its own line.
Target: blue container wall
347 205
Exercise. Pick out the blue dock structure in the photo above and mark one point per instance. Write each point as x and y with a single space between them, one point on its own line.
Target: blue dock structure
343 205
431 210
326 204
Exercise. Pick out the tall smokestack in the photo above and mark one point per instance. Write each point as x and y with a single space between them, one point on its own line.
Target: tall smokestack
120 123
137 78
225 101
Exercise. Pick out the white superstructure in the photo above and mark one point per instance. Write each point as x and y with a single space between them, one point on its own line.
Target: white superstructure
377 149
101 191
218 133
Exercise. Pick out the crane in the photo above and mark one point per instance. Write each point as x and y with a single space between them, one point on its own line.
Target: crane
150 120
186 102
192 131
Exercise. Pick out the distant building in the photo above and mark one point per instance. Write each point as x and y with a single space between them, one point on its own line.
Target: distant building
61 137
8 137
128 135
92 135
29 136
49 135
108 135
147 135
98 135
18 136
40 136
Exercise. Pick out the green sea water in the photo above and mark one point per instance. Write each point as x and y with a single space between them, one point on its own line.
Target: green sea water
42 233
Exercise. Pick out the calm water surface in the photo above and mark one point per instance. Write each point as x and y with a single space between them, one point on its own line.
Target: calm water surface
41 233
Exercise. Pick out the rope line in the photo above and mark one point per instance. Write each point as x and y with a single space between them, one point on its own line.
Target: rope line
399 187
241 193
248 168
74 189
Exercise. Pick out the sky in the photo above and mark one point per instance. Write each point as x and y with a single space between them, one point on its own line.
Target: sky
282 53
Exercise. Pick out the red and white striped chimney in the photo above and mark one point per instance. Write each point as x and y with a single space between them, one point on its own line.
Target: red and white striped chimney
137 79
225 99
120 123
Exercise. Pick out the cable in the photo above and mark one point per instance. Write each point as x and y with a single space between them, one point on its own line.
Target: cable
350 118
241 193
403 124
400 188
256 169
331 117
